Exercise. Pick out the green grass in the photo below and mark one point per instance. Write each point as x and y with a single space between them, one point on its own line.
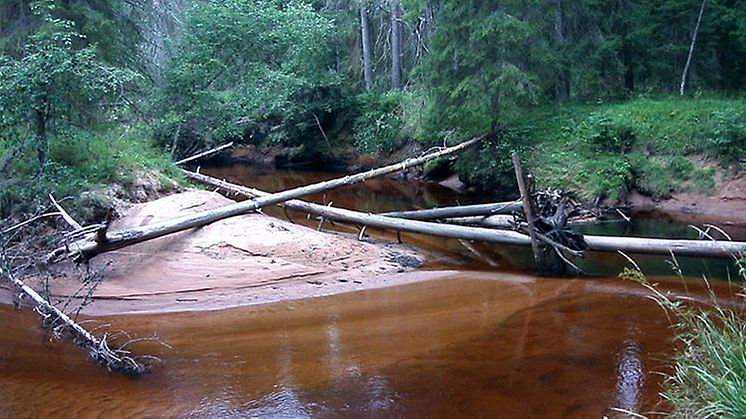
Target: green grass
709 366
81 161
709 378
658 146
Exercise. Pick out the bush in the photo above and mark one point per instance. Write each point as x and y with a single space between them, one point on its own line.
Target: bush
606 176
490 167
80 161
378 127
726 135
609 134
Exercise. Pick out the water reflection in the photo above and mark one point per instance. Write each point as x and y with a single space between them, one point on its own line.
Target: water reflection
476 344
630 376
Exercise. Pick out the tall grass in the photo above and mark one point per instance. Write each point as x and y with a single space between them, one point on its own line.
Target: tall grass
709 368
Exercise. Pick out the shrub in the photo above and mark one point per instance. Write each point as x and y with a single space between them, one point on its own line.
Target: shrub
610 134
726 134
378 127
490 167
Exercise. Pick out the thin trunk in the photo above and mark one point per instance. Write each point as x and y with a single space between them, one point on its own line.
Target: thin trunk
563 87
41 136
365 37
395 44
528 212
429 19
685 74
460 211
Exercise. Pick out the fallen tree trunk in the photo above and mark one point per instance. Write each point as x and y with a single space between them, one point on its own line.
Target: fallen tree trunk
459 211
98 349
507 221
90 247
204 153
640 245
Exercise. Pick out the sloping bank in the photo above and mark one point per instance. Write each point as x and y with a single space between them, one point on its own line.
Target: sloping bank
243 260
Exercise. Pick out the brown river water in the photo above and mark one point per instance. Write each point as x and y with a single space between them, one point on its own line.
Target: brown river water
486 341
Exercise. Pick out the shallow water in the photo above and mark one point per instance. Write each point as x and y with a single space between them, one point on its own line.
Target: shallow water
487 341
475 344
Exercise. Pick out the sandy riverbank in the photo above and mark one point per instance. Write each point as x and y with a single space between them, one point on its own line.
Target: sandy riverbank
726 206
250 259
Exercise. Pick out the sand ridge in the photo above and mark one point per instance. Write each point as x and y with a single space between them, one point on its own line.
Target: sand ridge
248 259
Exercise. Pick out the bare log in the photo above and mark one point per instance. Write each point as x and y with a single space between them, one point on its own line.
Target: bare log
65 216
459 211
528 212
508 221
98 349
204 153
641 245
90 246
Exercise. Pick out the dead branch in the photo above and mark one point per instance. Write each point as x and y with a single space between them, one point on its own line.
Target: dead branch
641 245
204 153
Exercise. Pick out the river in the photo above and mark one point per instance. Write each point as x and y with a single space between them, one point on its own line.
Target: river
486 341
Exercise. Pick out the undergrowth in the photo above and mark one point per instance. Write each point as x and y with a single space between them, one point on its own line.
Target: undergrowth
658 146
709 368
81 161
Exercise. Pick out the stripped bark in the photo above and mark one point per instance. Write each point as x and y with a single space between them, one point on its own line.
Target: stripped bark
204 153
98 348
528 212
459 211
91 246
685 74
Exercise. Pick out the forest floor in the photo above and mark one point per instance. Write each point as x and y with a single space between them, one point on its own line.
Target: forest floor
244 260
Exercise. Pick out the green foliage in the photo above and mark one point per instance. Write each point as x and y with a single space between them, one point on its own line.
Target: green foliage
378 127
490 167
246 67
81 160
709 378
607 133
657 146
53 85
726 134
709 367
477 71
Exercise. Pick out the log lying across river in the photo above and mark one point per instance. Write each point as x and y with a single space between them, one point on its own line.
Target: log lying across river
91 246
635 245
460 211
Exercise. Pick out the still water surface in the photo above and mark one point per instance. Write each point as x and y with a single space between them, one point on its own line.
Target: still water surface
483 342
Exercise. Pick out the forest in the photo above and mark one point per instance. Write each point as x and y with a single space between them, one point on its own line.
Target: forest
628 116
93 91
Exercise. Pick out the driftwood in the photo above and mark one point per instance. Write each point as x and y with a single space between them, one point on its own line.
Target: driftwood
19 252
459 211
98 349
641 245
528 212
113 240
509 221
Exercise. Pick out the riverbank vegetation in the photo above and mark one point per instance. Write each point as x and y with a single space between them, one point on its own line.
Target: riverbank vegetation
708 377
591 92
601 98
